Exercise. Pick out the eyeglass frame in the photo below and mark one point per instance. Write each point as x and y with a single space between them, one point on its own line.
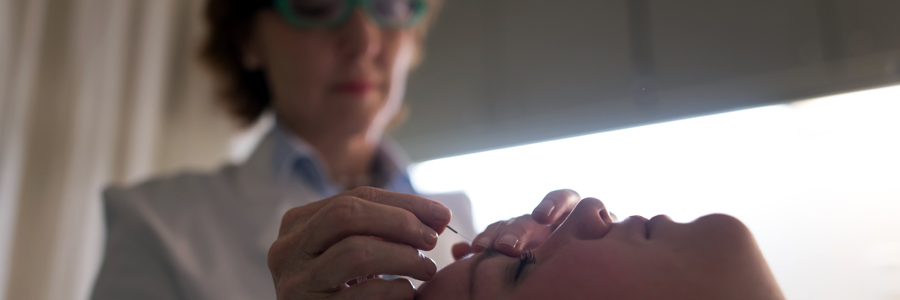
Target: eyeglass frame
284 9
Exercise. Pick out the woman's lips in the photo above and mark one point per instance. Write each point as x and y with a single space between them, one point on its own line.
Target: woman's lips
355 87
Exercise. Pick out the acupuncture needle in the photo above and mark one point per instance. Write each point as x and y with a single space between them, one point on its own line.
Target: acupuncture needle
457 233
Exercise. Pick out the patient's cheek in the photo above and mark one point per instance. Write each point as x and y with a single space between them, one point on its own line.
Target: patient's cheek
448 283
491 282
585 271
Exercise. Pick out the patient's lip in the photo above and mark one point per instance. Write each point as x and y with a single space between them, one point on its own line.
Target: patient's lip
655 222
640 228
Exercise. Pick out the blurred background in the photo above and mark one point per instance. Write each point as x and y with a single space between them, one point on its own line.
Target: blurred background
784 113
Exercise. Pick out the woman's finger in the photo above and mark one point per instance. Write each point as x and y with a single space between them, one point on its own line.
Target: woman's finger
521 233
555 207
460 250
324 245
350 216
361 256
397 289
432 213
485 239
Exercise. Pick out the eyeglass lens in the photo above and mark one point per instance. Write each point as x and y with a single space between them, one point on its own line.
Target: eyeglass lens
318 10
390 12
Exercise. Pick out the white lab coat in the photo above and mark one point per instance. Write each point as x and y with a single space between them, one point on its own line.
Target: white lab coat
206 236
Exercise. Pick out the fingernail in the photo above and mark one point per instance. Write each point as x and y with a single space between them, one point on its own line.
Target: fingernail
440 212
429 235
509 239
544 209
430 266
484 242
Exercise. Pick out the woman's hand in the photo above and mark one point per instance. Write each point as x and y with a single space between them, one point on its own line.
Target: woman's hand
524 232
324 246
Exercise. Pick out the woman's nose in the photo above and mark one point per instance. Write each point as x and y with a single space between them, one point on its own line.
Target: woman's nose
359 37
589 220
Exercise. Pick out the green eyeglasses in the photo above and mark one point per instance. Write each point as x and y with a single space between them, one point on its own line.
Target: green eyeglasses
312 14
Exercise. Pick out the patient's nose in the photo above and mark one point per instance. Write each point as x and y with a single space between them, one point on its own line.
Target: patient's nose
589 220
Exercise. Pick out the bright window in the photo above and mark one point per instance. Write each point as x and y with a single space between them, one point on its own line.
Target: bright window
818 182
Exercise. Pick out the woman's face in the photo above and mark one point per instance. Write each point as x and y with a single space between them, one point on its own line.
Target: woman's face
714 257
347 80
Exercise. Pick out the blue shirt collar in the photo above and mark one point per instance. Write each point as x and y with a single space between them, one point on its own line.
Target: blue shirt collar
296 162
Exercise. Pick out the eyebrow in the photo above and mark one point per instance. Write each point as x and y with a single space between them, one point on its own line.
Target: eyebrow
488 253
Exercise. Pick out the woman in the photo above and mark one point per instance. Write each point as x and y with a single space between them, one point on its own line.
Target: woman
301 210
591 257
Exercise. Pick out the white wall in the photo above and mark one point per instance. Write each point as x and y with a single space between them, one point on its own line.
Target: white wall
500 73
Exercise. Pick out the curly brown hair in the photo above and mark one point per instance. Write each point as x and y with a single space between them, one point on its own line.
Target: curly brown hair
245 93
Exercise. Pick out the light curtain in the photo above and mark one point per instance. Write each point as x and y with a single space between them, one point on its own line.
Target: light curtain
92 92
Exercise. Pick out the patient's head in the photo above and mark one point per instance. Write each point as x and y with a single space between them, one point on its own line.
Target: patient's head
589 256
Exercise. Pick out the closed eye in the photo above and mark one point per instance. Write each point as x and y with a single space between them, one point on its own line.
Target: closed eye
526 259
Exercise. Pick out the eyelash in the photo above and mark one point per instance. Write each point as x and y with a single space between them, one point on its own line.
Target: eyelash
524 260
527 257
